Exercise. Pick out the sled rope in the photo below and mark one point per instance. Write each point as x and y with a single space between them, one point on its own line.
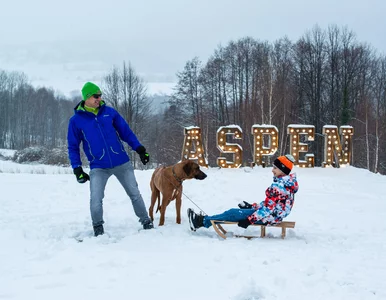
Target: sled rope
194 203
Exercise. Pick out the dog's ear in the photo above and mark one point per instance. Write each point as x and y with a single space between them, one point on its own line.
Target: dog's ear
188 168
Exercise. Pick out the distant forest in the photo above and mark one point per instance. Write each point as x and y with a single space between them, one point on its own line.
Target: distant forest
326 77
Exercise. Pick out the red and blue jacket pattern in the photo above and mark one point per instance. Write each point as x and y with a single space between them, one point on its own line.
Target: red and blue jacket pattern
278 202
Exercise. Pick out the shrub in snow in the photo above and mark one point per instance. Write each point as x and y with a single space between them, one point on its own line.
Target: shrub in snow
56 156
42 155
28 155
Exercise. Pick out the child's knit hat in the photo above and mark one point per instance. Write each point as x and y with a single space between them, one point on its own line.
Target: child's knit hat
284 163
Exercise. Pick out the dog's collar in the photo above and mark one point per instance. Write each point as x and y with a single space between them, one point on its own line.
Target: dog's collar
176 177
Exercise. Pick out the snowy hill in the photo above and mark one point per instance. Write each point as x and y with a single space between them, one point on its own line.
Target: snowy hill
336 251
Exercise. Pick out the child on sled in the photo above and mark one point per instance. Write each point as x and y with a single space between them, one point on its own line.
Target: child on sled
279 199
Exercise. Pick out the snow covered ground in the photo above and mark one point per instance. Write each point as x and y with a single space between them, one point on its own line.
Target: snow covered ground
336 251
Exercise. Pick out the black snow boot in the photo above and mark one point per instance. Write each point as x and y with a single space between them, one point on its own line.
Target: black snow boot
98 230
148 225
195 220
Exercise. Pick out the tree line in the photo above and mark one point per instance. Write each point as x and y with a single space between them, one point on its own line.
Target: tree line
326 77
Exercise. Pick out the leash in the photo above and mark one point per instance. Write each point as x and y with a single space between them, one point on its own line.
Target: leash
194 203
182 192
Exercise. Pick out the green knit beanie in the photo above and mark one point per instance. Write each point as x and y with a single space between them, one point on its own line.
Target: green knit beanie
90 89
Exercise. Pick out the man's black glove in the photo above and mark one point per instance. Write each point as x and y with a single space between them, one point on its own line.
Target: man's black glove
244 223
81 176
245 205
143 155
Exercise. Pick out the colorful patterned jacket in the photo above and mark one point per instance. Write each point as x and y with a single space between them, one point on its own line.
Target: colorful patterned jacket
278 202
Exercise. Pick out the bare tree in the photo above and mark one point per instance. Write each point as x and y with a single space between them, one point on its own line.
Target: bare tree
380 107
126 91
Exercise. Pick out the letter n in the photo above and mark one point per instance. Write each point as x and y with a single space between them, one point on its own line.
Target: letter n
334 153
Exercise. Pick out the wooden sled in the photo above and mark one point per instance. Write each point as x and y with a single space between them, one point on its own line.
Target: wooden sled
222 232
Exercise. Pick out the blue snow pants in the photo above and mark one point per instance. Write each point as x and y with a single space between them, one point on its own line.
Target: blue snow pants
231 215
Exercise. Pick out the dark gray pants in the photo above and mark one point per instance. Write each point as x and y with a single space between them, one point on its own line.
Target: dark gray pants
125 175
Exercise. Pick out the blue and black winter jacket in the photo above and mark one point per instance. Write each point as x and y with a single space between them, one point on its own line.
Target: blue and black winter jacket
101 135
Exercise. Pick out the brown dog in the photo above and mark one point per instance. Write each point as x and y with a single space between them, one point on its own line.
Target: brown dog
168 182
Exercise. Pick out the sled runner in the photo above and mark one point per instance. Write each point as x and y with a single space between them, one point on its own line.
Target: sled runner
222 232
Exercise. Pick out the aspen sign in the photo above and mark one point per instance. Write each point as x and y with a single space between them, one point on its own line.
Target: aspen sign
337 144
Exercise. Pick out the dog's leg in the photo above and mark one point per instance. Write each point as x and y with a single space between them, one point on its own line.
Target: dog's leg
178 208
154 195
164 203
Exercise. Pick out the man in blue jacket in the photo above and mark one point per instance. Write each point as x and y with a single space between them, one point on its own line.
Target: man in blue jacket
101 129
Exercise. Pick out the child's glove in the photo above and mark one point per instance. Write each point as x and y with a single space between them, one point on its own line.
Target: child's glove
244 223
245 205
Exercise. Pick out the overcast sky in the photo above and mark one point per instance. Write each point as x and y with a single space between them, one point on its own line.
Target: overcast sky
67 43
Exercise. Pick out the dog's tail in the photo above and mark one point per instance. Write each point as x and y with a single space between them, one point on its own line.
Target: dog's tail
159 201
